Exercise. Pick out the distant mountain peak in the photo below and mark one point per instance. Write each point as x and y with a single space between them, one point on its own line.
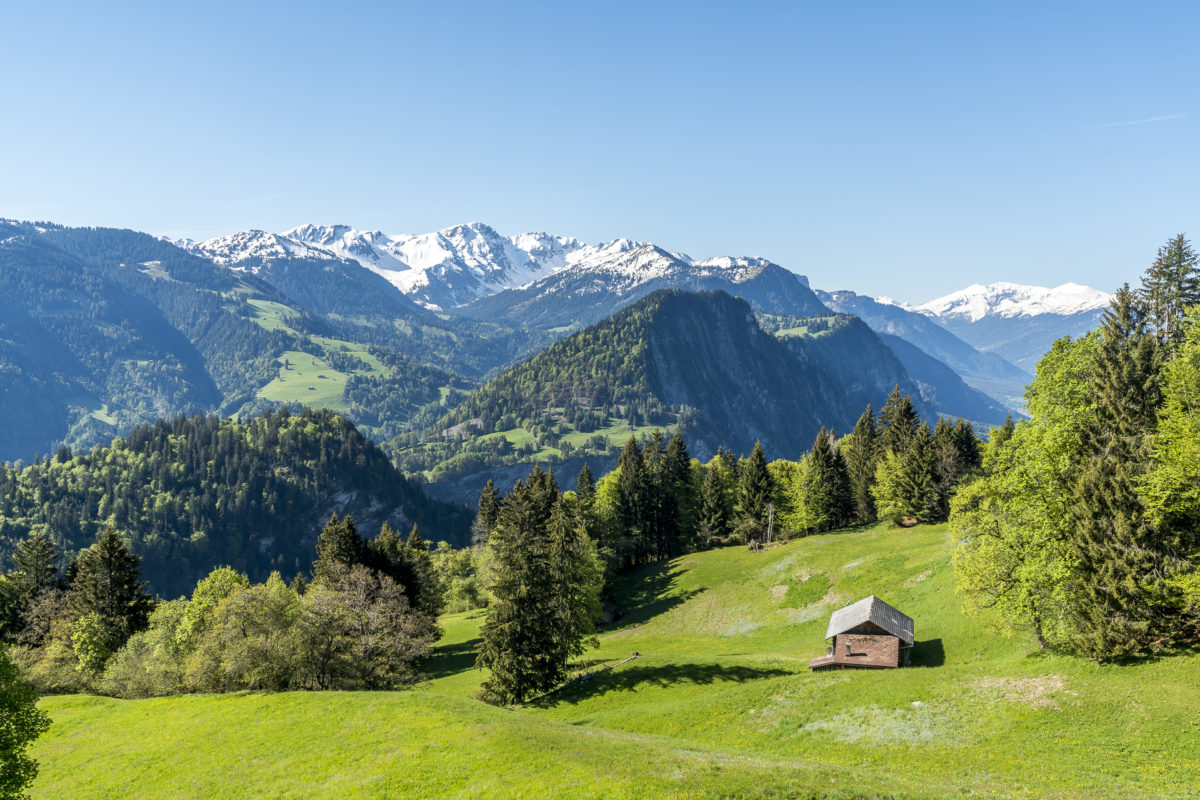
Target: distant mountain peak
1004 299
255 247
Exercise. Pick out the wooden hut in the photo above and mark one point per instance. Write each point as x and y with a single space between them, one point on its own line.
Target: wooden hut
868 634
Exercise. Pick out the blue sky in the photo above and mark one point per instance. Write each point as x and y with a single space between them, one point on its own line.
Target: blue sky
900 149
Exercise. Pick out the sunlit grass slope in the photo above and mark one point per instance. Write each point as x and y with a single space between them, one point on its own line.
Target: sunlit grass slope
719 703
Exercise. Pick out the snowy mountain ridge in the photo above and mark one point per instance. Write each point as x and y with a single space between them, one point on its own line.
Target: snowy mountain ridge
1009 300
454 266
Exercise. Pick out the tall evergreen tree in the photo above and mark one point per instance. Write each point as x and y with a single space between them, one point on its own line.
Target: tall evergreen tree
1169 286
338 545
36 562
1120 561
585 488
898 422
631 498
755 487
489 507
108 584
545 590
861 452
713 524
917 477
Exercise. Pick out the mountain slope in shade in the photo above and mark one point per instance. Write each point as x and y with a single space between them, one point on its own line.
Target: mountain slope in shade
942 387
1020 322
987 372
605 281
699 362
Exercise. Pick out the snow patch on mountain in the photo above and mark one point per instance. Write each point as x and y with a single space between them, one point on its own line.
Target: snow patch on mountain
252 249
1014 300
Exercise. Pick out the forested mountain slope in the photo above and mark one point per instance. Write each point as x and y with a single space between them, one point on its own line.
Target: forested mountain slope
104 329
198 492
695 361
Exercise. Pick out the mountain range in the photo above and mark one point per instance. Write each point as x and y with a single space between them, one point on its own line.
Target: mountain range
104 329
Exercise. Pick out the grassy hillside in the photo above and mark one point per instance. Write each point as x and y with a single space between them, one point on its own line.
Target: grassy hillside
719 704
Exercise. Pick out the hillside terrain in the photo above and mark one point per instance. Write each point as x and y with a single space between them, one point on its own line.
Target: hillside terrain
194 493
697 362
719 703
106 329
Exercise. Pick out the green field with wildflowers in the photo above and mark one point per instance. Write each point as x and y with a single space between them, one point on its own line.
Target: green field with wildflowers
719 703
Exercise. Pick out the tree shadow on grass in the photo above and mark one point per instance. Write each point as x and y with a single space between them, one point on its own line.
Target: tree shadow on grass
451 659
628 678
649 594
929 653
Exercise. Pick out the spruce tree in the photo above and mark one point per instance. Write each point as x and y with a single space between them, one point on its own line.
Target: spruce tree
585 488
898 422
423 590
631 500
338 545
545 590
489 507
1169 286
108 584
713 525
36 562
755 487
916 483
861 452
1120 559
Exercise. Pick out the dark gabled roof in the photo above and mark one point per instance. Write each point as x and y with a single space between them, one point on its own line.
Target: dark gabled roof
871 609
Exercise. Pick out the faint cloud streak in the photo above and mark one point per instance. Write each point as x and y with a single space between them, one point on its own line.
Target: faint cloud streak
1133 122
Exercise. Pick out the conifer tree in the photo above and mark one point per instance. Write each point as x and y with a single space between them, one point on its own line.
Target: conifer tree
917 477
754 487
827 491
36 562
1169 286
585 488
1120 561
337 545
861 452
631 494
424 592
489 507
713 525
545 591
108 586
897 422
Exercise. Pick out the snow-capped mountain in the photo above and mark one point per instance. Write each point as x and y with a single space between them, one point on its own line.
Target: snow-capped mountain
1016 321
1016 300
606 280
451 267
254 249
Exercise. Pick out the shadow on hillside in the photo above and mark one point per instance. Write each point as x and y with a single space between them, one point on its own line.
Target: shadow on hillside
929 653
650 596
451 659
628 678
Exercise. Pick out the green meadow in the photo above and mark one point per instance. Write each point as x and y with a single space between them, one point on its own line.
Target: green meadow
719 703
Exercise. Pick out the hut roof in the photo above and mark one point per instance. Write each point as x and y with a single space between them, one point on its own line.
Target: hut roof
871 609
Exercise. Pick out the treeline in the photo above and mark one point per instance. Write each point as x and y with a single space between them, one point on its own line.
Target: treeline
362 621
196 491
659 503
1085 528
